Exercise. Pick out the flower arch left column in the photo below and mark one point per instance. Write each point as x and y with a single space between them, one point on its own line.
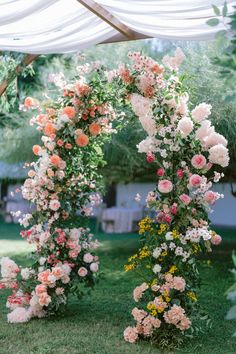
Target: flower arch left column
63 180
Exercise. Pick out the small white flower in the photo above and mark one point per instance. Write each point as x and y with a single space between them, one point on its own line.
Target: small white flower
156 253
169 236
157 268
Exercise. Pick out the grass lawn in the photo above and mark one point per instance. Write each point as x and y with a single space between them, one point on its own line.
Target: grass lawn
96 324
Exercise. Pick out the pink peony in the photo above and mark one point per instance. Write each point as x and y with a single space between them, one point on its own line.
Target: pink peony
165 186
185 199
219 155
54 204
210 197
195 180
130 334
214 139
19 315
201 112
82 272
198 161
185 126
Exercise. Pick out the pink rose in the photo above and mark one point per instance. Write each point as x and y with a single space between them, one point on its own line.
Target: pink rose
82 272
54 204
216 240
195 180
160 172
210 197
88 258
131 334
167 218
173 209
185 199
150 157
94 267
198 161
165 186
179 283
40 289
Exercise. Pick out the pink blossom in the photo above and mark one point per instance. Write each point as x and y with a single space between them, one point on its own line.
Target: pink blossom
173 209
195 180
44 299
167 218
130 334
54 204
201 112
216 240
138 291
198 161
185 126
138 314
185 199
165 186
184 324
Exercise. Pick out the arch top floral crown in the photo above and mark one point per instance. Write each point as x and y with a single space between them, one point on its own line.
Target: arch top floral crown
183 147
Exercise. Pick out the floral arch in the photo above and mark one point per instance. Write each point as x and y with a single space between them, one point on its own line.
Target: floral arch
183 147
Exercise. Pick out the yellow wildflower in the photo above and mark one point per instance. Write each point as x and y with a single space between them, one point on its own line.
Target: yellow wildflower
172 269
129 267
192 295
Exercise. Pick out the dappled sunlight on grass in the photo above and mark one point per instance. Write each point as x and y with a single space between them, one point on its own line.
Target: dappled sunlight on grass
11 247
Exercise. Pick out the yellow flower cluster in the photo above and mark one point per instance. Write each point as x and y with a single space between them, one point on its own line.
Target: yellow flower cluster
145 225
129 267
192 295
152 308
162 229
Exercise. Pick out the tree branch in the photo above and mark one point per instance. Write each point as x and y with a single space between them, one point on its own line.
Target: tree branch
28 59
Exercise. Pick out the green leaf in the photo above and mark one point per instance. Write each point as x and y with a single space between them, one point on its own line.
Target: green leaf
225 9
216 10
213 22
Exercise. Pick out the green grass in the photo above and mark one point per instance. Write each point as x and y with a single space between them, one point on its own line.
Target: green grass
96 324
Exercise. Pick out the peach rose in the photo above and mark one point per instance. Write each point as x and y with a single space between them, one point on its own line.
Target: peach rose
36 149
40 289
57 272
43 276
95 129
49 129
82 140
69 111
55 160
44 299
30 102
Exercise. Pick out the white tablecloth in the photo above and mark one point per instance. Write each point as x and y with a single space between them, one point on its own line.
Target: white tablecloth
120 220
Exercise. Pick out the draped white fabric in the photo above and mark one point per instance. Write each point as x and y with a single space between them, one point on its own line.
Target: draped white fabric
63 26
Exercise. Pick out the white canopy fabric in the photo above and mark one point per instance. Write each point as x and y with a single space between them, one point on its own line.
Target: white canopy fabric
64 26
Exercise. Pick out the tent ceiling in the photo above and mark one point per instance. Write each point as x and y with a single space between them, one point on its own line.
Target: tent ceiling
64 26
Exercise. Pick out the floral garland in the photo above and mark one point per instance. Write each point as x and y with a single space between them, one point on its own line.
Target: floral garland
185 147
62 182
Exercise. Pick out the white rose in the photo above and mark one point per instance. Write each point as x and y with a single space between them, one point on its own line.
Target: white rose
157 268
25 273
169 236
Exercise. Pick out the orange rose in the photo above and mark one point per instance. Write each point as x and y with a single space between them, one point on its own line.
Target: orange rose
36 149
82 140
55 160
95 129
69 111
49 129
30 102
